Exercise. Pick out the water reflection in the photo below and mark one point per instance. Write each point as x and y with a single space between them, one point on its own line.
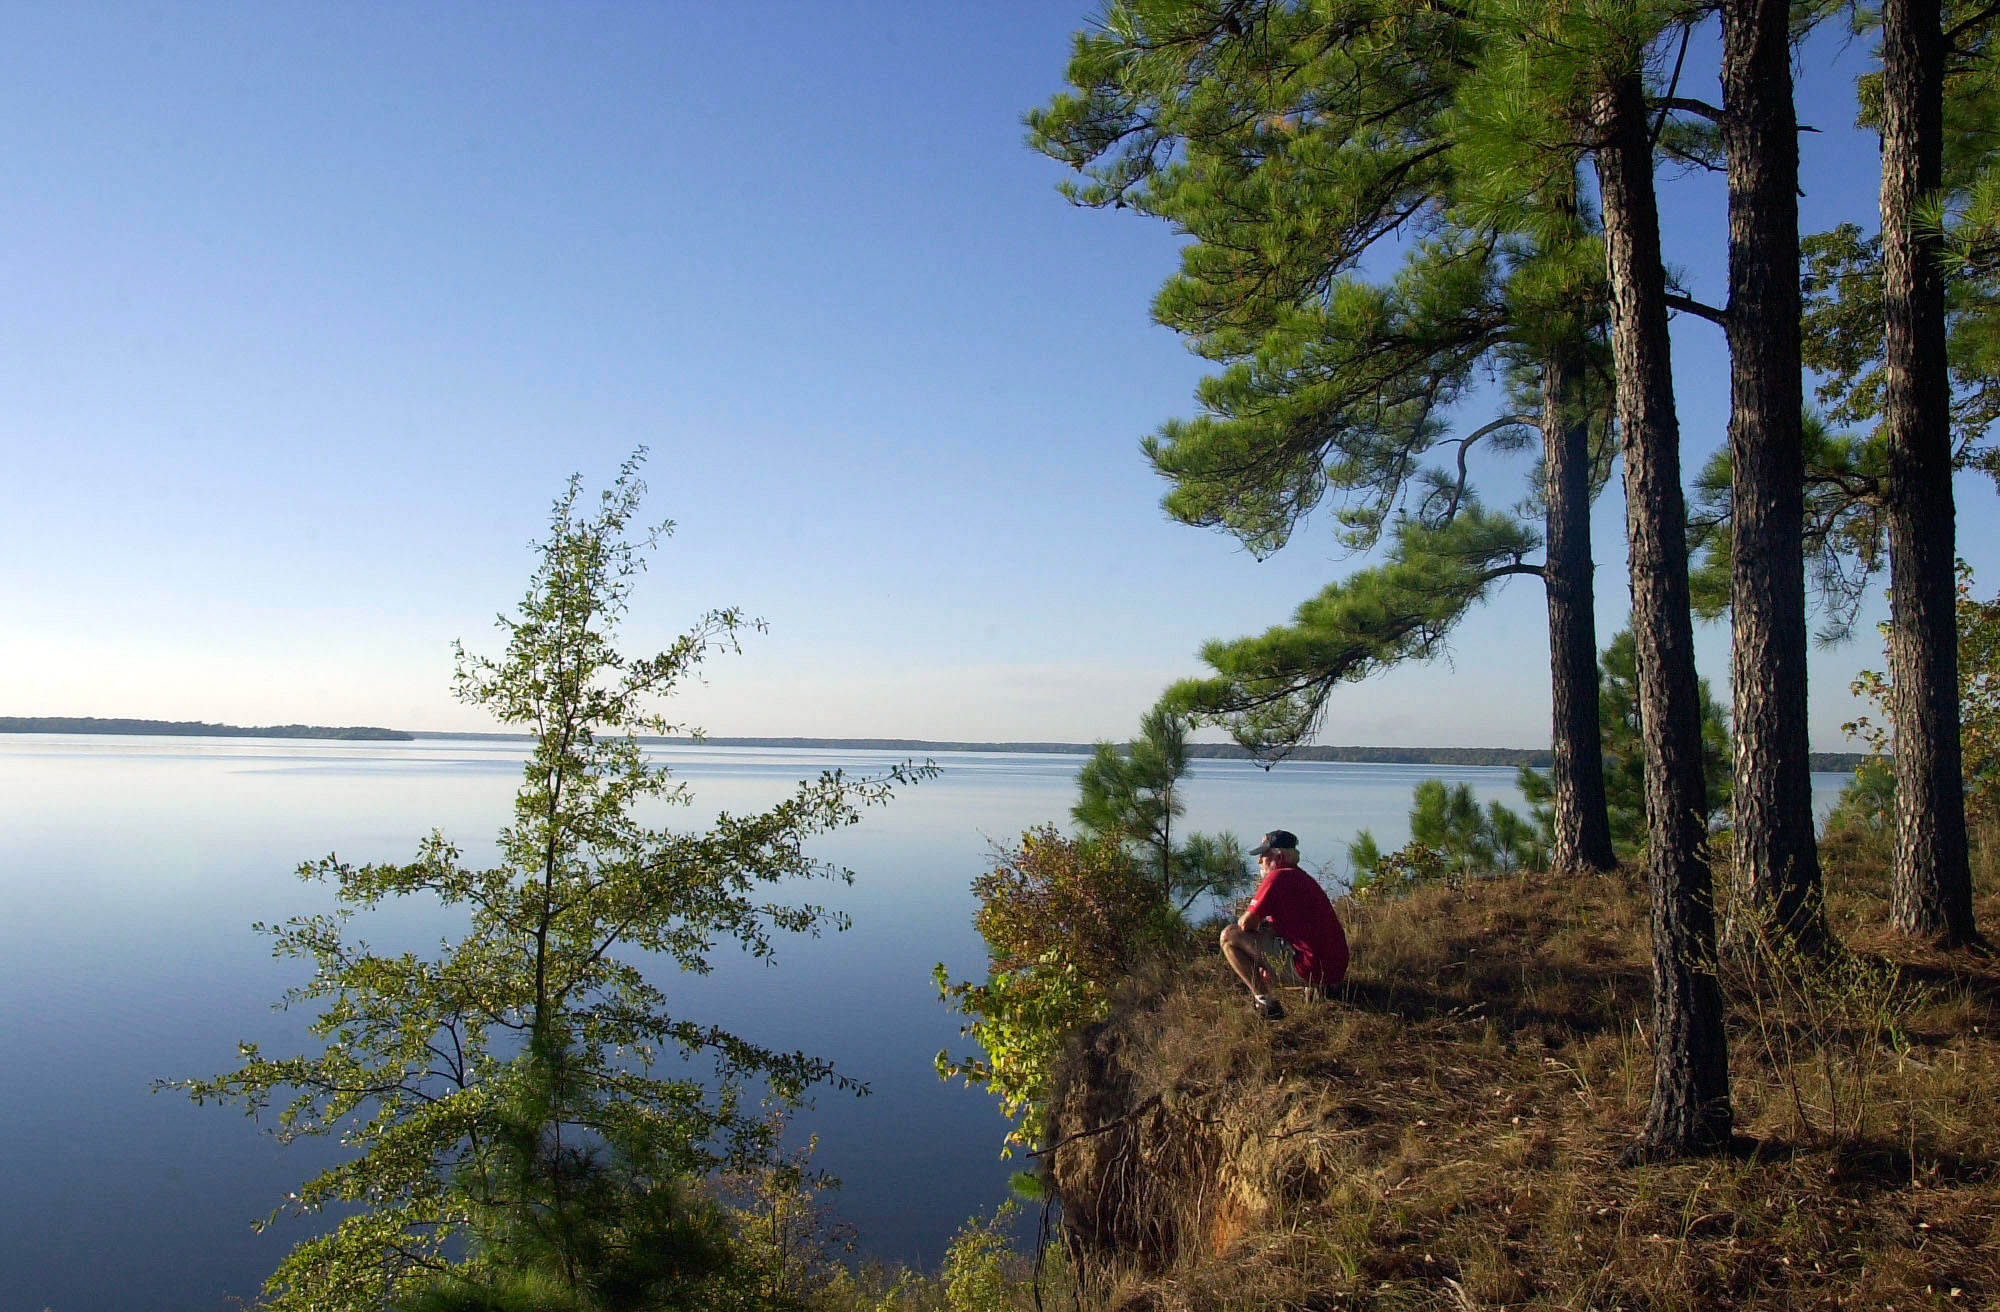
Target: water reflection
131 869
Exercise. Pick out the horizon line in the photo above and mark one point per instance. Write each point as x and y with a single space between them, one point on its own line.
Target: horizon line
1350 752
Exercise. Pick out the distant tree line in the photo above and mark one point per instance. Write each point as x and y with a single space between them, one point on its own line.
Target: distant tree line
193 728
1508 756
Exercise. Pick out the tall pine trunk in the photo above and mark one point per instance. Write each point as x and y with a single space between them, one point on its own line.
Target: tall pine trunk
1777 856
1932 887
1582 821
1690 1109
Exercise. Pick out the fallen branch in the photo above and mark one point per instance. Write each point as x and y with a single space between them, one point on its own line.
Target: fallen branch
1096 1129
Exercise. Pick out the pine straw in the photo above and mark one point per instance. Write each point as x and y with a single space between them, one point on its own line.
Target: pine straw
1445 1135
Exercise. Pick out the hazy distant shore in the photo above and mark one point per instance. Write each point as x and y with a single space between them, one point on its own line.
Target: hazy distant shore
1540 758
194 728
1829 761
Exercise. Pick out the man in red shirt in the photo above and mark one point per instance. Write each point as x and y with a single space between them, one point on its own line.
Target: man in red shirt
1289 905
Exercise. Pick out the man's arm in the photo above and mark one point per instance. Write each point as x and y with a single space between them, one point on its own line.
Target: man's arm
1253 917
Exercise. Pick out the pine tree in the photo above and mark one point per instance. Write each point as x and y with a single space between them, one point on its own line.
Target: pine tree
1555 79
1289 140
1132 798
1912 348
1932 884
1690 1109
1776 851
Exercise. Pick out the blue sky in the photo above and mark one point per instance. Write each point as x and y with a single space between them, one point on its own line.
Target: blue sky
310 310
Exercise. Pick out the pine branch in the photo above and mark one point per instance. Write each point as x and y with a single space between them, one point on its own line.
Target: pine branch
1673 84
1699 108
1958 29
1700 309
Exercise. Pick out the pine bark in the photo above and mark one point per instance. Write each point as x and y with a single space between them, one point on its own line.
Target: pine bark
1690 1109
1777 855
1931 891
1582 820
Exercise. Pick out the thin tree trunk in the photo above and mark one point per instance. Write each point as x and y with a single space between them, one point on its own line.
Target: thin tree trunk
1777 856
1582 822
1690 1109
1932 887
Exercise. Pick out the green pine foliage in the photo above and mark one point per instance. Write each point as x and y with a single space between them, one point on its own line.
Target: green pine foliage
1451 820
1842 271
523 1108
1133 798
1624 756
1343 398
1271 690
1299 147
1846 535
1523 106
1452 838
1285 139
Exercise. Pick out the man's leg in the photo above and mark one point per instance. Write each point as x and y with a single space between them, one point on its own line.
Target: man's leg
1240 951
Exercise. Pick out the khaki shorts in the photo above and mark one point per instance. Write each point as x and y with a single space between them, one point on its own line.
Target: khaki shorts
1277 955
1276 952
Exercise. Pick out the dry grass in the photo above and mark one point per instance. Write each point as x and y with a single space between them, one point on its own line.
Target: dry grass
1446 1134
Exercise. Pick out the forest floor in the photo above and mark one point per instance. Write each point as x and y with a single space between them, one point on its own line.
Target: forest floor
1446 1134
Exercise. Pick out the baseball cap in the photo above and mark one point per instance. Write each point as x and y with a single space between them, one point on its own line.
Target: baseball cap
1276 838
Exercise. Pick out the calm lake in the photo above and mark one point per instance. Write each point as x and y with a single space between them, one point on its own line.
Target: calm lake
132 869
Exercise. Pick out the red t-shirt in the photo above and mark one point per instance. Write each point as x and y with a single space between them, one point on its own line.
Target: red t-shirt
1302 915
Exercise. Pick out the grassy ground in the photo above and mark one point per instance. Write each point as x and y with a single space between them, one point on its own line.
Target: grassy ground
1446 1134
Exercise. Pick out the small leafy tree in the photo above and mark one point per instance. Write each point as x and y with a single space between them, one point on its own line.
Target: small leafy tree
519 1088
1064 920
982 1271
787 1227
1978 714
1133 798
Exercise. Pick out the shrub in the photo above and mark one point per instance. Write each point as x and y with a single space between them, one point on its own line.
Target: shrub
1450 838
1064 920
982 1272
1407 868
